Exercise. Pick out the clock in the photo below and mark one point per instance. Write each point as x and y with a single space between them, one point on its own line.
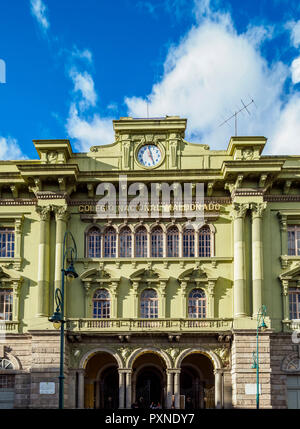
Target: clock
149 155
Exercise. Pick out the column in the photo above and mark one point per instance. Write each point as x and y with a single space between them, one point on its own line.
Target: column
114 300
18 237
285 294
257 257
177 388
88 301
218 388
43 262
80 389
134 300
61 217
148 244
196 242
183 286
164 243
211 299
117 244
121 389
128 388
16 299
169 389
162 306
180 243
283 233
239 286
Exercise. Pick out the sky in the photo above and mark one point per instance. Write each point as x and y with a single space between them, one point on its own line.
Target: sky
69 67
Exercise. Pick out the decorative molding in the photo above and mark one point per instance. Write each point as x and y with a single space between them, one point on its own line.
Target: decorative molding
239 210
44 212
258 209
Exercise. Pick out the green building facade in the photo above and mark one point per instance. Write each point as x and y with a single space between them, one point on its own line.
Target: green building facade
159 310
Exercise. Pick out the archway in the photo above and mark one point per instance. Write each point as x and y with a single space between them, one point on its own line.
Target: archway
197 382
101 382
149 380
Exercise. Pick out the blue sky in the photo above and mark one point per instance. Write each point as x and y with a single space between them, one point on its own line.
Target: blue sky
73 66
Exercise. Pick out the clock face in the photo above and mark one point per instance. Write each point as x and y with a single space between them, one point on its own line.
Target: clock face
149 155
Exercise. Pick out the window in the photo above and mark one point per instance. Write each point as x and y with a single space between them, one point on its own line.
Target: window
197 304
125 242
294 300
109 243
157 242
293 240
141 242
188 242
7 242
6 364
101 304
7 381
204 242
173 242
149 304
6 301
94 243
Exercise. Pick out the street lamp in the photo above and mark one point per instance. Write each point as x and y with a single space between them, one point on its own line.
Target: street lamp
58 316
261 326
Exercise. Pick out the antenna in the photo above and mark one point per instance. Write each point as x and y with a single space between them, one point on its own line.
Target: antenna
236 114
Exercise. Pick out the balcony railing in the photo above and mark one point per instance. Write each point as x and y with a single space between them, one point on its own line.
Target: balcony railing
185 325
291 325
7 326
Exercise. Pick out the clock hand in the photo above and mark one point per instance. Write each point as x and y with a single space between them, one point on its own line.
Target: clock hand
150 155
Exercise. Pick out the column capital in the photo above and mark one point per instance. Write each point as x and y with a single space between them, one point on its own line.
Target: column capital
219 371
61 213
43 212
283 221
258 209
239 210
173 370
125 370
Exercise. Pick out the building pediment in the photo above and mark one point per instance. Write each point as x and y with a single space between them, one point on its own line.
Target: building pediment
291 274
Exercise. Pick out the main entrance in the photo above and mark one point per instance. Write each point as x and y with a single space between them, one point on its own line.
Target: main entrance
149 380
148 386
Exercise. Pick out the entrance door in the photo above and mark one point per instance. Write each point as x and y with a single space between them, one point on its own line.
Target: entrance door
7 391
293 391
109 389
149 386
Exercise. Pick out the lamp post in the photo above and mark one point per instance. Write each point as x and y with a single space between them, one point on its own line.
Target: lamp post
58 316
261 326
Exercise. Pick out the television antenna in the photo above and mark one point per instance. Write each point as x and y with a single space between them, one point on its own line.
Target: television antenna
235 115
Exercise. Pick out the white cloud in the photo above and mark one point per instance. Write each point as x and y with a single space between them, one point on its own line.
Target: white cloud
208 73
93 132
9 149
295 33
295 69
83 82
287 131
38 10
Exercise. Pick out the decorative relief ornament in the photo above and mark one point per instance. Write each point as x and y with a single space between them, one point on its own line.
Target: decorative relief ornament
52 157
125 351
61 213
224 355
291 363
93 149
247 154
173 352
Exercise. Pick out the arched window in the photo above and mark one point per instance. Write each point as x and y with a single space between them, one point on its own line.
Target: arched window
101 304
93 243
141 242
109 242
149 304
197 304
125 242
205 241
7 242
188 242
173 242
157 242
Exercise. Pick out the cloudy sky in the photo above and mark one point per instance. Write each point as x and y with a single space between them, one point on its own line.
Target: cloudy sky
67 68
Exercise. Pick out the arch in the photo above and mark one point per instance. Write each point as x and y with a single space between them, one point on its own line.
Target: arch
125 225
138 352
88 273
141 224
216 361
13 360
88 355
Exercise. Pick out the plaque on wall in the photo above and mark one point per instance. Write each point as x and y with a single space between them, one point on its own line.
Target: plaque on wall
47 388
